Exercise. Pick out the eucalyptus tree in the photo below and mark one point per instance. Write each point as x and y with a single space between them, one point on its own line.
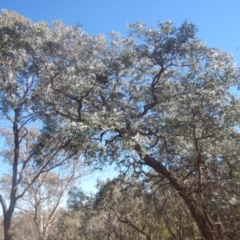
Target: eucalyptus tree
28 153
158 99
181 120
45 196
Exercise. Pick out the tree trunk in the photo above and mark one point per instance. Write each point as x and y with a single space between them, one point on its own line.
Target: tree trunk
7 225
8 213
45 233
198 210
7 217
202 219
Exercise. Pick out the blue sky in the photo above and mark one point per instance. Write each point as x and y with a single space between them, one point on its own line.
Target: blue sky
218 21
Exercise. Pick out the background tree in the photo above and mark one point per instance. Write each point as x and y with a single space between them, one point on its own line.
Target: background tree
145 211
127 209
44 198
23 227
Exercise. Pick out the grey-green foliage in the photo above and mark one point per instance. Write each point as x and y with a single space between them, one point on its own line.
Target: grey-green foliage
158 99
33 143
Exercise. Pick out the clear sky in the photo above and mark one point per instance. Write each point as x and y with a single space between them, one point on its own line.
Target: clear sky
218 21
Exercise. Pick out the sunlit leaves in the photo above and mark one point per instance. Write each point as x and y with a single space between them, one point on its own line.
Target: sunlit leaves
159 92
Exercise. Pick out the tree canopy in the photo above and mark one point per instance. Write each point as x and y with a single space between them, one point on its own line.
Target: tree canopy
156 103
